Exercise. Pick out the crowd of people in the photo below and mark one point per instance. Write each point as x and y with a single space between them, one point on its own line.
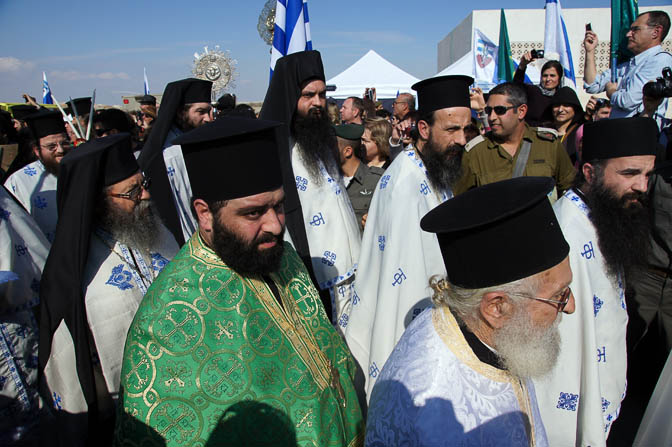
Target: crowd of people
466 268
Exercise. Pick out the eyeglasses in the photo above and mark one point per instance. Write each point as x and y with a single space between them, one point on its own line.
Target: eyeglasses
499 110
135 193
562 302
65 145
634 29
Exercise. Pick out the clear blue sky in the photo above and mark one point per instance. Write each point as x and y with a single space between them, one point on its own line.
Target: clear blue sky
82 45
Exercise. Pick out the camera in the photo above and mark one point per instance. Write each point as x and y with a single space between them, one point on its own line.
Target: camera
661 87
600 102
369 93
537 54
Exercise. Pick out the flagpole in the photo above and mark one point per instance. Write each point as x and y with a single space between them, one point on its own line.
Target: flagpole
74 109
65 116
93 101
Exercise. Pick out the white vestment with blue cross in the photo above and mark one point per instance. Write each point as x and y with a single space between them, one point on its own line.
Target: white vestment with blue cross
333 234
23 251
114 282
397 260
35 188
582 395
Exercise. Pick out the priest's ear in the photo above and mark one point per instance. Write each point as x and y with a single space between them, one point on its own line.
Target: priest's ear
423 129
203 214
496 308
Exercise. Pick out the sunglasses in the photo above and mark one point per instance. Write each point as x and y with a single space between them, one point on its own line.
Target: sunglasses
499 110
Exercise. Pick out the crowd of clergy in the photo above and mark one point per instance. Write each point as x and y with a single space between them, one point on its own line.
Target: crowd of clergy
450 272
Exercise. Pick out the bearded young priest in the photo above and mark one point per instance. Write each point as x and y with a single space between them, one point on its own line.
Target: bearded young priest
460 374
108 249
231 344
605 217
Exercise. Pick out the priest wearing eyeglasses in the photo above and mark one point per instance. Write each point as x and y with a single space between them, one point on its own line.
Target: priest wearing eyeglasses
109 247
461 372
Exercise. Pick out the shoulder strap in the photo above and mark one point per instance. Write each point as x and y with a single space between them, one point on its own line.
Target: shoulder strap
522 159
473 142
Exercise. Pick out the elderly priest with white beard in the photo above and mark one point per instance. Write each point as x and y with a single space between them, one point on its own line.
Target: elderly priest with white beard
460 374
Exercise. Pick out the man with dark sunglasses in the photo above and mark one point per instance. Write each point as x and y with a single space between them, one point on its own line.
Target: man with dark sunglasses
109 248
512 148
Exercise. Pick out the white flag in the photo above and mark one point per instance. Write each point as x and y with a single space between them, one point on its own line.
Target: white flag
556 41
485 59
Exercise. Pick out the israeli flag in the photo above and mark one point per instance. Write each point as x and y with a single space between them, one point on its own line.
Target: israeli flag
556 41
144 70
46 91
292 29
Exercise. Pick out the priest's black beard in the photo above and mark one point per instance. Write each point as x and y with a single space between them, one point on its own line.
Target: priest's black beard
317 142
138 229
243 257
443 168
623 228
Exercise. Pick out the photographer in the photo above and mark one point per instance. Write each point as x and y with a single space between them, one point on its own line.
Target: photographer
597 109
644 41
539 96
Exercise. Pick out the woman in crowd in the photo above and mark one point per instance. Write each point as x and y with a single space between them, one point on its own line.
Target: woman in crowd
376 142
565 115
539 96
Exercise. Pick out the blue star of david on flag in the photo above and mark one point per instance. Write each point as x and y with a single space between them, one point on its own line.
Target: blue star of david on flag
120 278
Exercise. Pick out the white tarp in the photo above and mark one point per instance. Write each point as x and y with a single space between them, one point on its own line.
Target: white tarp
372 70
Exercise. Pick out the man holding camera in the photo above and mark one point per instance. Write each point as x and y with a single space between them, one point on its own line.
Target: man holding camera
646 34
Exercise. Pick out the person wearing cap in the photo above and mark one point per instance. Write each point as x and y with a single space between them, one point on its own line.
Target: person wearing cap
321 223
225 104
185 105
605 218
77 111
147 102
397 258
19 114
108 249
35 184
360 180
112 121
231 341
512 148
23 251
461 373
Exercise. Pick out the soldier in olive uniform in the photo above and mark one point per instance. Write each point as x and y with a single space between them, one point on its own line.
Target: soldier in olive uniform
360 179
512 148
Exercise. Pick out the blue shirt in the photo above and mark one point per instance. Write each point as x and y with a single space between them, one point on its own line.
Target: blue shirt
632 75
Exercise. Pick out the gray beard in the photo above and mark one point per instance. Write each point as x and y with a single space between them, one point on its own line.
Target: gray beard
138 230
526 350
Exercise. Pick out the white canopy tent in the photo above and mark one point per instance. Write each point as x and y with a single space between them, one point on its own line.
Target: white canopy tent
371 70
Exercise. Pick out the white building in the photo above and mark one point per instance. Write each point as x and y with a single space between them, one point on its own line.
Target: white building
526 32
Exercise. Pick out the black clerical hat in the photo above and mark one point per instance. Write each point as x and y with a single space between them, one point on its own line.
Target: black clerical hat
233 157
21 111
146 100
498 233
45 122
198 90
349 131
115 154
442 92
113 119
620 137
83 106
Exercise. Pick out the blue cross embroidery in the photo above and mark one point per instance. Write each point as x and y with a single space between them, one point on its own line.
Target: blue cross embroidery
35 286
158 262
40 202
588 251
568 401
381 243
355 298
597 304
301 183
399 278
605 404
317 220
383 181
170 171
4 214
29 171
424 188
343 321
602 355
120 278
57 401
20 249
341 290
329 258
373 370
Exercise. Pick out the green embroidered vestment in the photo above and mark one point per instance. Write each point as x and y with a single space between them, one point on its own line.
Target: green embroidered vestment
212 358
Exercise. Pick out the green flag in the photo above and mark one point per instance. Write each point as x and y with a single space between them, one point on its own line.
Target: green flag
505 67
623 13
